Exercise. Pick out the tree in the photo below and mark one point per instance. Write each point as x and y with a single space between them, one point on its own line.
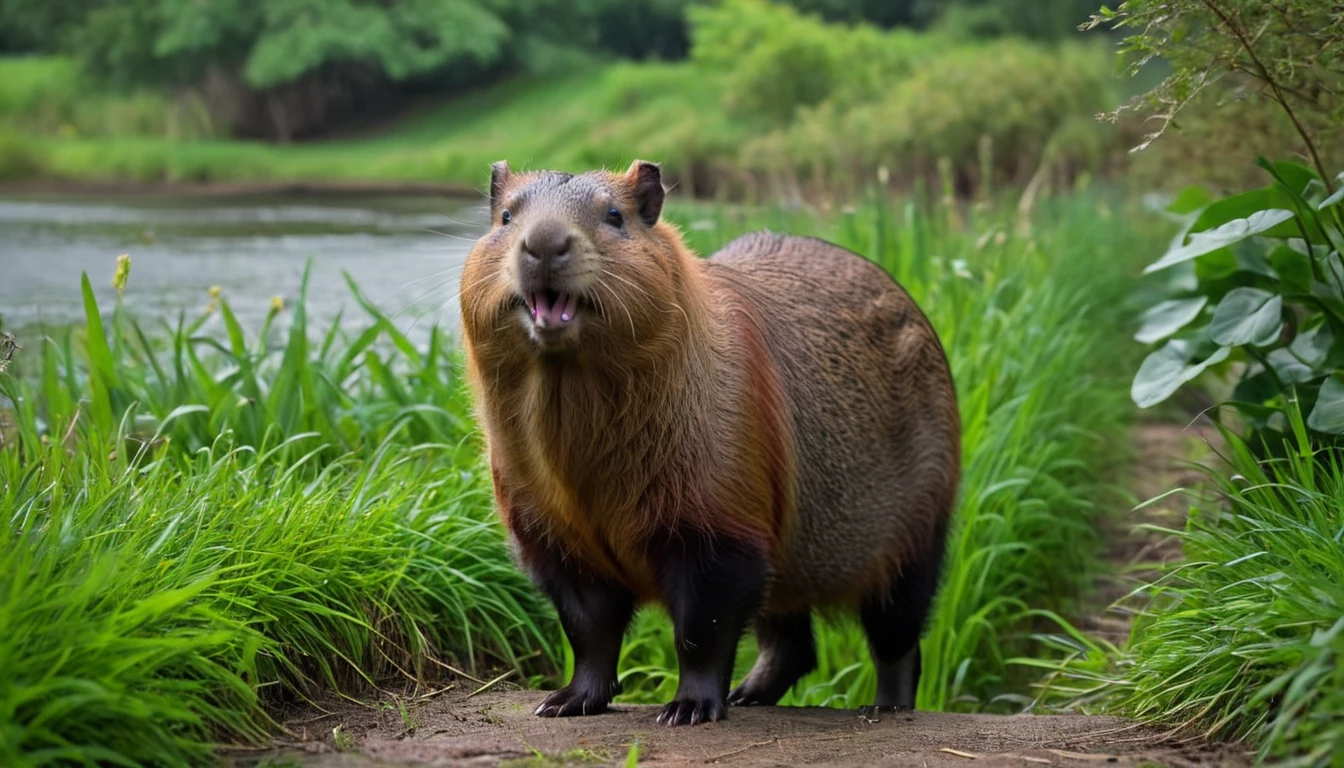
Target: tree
1288 51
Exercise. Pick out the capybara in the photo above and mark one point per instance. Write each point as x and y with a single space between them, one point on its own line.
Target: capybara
743 438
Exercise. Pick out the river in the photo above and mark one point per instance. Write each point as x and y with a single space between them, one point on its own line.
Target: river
405 253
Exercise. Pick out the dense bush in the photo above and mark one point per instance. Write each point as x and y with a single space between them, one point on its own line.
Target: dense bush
20 157
988 109
52 96
778 60
290 68
878 98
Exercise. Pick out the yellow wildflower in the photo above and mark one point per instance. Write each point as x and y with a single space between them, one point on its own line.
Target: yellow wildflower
277 303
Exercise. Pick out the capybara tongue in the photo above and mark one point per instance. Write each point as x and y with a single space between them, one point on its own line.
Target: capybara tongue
550 310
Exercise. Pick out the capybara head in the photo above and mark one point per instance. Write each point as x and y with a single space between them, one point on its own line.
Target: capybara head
572 263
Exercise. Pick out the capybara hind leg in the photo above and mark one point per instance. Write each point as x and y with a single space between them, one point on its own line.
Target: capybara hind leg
594 614
712 589
893 623
787 652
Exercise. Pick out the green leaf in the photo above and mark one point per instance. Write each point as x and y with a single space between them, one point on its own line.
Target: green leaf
1288 368
1222 236
1165 370
1235 207
1328 414
59 400
102 376
1295 177
1293 268
1334 199
1247 316
1189 200
1165 318
1313 346
1256 389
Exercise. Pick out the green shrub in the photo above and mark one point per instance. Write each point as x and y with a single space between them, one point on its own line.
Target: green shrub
1255 288
149 612
778 60
51 96
20 157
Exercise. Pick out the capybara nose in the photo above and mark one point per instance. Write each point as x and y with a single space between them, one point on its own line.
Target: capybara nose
548 244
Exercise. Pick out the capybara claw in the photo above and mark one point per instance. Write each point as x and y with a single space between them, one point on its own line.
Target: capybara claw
570 702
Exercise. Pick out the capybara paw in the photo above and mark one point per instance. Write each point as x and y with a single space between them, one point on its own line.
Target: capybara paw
750 692
570 701
693 711
873 713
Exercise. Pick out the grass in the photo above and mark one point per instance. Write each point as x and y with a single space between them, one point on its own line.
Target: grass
197 528
202 525
1242 640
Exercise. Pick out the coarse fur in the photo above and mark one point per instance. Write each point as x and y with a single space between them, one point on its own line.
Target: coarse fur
744 438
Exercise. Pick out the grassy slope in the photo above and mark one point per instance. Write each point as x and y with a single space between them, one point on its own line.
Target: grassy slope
574 121
274 575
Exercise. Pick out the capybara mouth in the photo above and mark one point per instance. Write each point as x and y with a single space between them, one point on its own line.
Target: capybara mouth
551 309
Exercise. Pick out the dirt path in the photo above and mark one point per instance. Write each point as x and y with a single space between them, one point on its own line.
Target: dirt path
1162 454
497 727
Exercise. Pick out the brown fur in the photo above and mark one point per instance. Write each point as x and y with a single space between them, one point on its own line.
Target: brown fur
784 393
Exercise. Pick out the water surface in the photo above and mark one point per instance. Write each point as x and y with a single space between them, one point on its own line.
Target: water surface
405 254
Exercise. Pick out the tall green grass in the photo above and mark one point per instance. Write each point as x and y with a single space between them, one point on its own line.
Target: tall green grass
181 386
1034 326
199 525
1243 640
195 527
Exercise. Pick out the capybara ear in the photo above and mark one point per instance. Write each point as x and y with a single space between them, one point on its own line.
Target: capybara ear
499 178
646 181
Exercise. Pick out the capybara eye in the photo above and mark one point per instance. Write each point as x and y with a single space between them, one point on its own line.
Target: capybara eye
505 217
614 218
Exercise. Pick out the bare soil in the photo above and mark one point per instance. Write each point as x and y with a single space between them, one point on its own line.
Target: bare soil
498 728
455 726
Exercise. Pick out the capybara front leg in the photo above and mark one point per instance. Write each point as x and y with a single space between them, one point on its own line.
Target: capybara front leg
594 613
712 589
